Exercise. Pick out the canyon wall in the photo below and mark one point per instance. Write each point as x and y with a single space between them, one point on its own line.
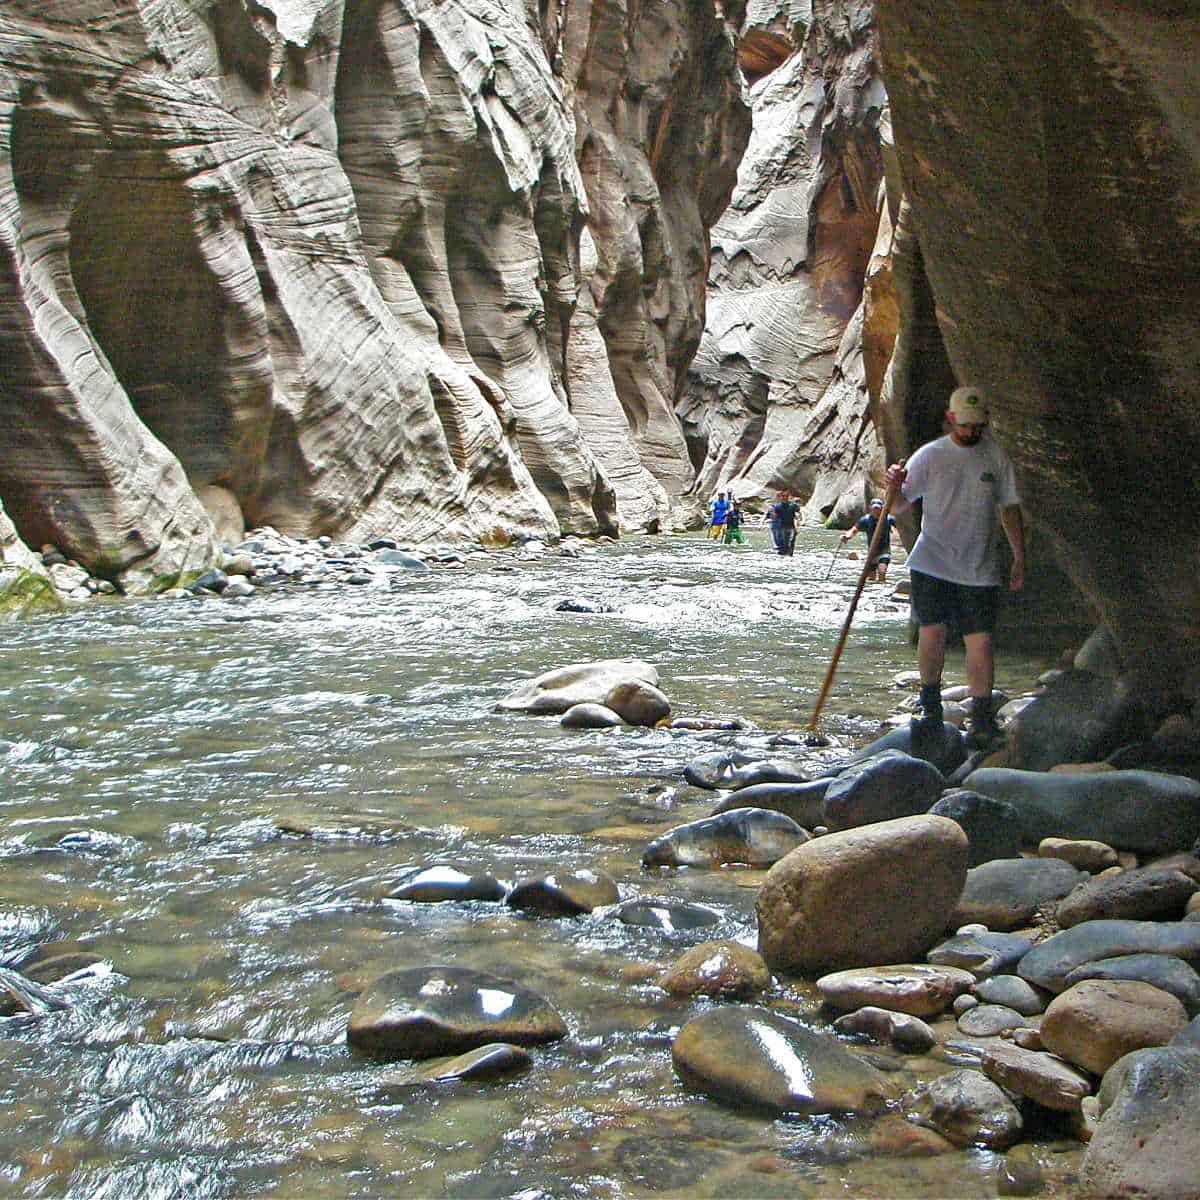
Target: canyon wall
331 265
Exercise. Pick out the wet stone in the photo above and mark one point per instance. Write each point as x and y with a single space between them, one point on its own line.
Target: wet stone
982 954
750 1057
881 788
497 1060
1162 971
725 969
919 989
755 837
713 771
444 882
989 1020
667 916
638 702
905 1032
800 801
1013 992
970 1110
1018 1177
590 716
1005 894
565 893
1041 1077
423 1012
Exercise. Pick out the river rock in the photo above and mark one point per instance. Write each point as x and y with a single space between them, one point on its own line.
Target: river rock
852 898
497 1060
1143 894
1095 1022
590 716
1013 992
443 882
638 702
904 1032
714 771
1189 1036
1050 962
946 753
1005 894
918 989
565 893
1162 971
1079 717
398 558
800 801
750 1057
982 954
581 683
991 825
755 837
1185 861
667 916
1144 1141
881 788
989 1020
727 970
970 1110
767 770
1144 811
1089 856
1043 1078
422 1012
572 605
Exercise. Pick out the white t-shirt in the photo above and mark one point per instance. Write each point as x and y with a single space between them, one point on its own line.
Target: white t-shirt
962 487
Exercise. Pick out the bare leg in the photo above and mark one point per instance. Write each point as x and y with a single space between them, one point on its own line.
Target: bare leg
981 666
931 652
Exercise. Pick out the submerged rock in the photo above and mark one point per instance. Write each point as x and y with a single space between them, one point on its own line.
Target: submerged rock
497 1060
970 1110
754 837
722 969
446 882
565 893
752 1058
714 771
590 716
800 801
423 1012
667 916
581 683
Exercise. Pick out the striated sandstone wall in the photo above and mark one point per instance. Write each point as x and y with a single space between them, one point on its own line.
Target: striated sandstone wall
777 395
1051 161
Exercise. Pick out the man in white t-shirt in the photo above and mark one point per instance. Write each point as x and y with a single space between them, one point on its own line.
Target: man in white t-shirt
962 479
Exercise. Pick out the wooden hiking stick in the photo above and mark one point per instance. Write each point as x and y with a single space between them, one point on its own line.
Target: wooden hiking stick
876 538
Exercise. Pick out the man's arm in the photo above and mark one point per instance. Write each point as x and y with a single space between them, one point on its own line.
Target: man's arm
1014 530
851 532
896 475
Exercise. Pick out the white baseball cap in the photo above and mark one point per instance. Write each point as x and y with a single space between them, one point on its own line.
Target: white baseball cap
968 405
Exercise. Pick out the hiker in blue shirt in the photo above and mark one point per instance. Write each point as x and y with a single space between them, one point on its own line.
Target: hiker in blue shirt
720 510
877 568
783 524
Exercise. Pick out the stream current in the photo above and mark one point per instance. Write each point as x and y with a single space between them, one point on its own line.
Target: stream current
216 797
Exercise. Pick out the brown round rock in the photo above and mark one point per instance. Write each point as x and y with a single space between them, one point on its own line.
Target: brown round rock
1084 855
919 989
881 893
726 969
1098 1021
638 703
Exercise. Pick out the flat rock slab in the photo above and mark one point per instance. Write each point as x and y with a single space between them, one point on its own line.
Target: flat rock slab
1097 1021
442 882
1093 857
755 837
1143 894
1144 811
423 1012
800 801
1007 893
1039 1076
904 1032
580 683
667 916
565 894
919 989
750 1057
1048 964
1144 1143
883 787
982 954
969 1109
724 969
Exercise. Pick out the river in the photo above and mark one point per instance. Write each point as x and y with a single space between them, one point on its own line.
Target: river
166 759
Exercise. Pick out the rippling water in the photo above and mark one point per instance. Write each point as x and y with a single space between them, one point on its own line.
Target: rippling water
159 754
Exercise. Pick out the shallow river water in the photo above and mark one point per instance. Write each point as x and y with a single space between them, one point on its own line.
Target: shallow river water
165 759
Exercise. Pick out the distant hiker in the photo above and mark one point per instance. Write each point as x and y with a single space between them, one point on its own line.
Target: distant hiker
962 479
720 510
782 515
733 525
877 568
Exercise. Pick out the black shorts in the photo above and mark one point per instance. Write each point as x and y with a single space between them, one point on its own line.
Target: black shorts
966 609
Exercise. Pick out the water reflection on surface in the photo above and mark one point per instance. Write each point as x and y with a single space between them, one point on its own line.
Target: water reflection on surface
217 798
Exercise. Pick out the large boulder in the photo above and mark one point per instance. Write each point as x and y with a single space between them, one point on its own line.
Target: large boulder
1132 810
554 692
800 801
1080 717
880 893
1008 892
1143 894
887 785
1142 1145
1163 971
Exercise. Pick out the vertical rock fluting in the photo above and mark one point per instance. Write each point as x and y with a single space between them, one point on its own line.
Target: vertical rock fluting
777 394
660 128
1052 164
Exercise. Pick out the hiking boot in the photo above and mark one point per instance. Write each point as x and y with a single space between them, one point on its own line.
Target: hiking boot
984 733
927 717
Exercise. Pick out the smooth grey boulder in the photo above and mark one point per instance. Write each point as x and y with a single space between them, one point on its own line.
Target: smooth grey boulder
800 801
1189 1036
667 916
715 771
982 954
553 692
750 1057
1006 893
946 752
1013 992
423 1012
1144 1142
1144 811
398 558
991 825
446 882
883 787
989 1020
1050 962
1163 971
970 1110
767 770
755 837
565 893
1142 894
1079 717
590 716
